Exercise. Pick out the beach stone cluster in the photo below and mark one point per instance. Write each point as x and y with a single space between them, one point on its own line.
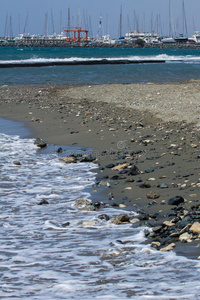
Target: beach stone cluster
181 226
78 158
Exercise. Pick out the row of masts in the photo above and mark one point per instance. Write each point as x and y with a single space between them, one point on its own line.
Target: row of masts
84 21
172 30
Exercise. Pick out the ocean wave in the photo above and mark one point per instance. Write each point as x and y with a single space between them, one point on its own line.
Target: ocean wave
160 57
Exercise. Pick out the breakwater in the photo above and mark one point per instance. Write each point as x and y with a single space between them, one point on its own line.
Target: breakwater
77 62
118 44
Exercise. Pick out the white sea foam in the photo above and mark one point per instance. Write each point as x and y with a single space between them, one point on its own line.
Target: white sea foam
164 57
42 257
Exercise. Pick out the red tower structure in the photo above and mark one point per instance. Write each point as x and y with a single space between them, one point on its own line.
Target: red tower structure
76 32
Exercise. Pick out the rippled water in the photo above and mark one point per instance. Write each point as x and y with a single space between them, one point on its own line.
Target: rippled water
44 257
181 65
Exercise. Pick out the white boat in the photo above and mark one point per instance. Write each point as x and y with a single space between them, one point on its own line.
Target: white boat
168 40
181 39
195 39
145 36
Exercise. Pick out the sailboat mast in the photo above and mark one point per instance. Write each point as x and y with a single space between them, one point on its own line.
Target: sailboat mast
120 22
184 21
170 24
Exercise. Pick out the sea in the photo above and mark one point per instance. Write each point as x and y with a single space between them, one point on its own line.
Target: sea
56 251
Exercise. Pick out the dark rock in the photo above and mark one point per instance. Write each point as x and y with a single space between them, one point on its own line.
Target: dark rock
157 229
109 166
175 200
115 177
110 196
65 224
97 204
171 164
59 150
104 217
87 158
125 171
183 223
164 185
172 213
40 143
145 185
146 232
138 151
114 204
152 202
139 180
122 218
143 217
133 171
43 202
165 240
149 170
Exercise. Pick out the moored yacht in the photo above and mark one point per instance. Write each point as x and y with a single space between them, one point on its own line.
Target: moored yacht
195 39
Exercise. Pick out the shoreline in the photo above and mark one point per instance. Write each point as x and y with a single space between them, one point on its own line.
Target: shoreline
126 125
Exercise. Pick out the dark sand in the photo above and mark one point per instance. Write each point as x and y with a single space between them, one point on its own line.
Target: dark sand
155 127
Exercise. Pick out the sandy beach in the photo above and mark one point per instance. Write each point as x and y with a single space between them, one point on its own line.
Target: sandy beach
146 140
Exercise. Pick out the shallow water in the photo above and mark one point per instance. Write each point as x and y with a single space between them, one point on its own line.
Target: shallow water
42 256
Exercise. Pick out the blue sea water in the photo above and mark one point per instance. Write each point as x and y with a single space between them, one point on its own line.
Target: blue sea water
180 65
40 256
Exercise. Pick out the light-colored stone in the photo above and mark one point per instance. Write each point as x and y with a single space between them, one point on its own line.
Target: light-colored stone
68 159
156 244
168 223
89 223
195 228
168 248
193 195
82 202
185 237
135 220
121 219
120 167
122 205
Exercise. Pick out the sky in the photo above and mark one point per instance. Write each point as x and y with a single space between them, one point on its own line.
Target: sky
45 16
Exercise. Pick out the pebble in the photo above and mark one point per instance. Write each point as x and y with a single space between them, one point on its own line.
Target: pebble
122 205
88 223
122 218
175 200
164 185
120 167
168 248
195 228
135 220
17 163
40 143
153 195
185 237
149 170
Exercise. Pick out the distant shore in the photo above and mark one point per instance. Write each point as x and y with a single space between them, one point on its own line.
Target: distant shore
147 144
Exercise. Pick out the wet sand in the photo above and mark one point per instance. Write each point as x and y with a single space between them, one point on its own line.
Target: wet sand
154 127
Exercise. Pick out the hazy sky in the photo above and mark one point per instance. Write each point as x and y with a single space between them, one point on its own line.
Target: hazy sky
28 16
